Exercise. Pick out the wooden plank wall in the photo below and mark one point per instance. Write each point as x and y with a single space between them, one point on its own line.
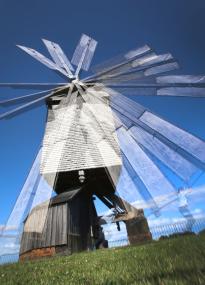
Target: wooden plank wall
54 232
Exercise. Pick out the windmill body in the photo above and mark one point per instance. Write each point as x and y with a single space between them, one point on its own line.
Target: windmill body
80 135
95 139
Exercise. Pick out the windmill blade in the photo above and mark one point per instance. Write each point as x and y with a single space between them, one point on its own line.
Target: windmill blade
139 73
83 54
132 65
167 156
187 145
124 105
89 54
142 72
80 49
59 56
38 56
194 86
181 79
81 62
31 85
126 188
139 64
126 117
159 89
151 84
182 91
115 71
142 164
161 68
121 120
28 191
179 165
135 65
23 107
19 99
152 59
130 89
121 59
39 210
118 62
162 89
41 199
185 140
135 189
35 189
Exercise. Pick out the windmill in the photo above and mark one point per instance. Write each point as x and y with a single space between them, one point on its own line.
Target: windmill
98 142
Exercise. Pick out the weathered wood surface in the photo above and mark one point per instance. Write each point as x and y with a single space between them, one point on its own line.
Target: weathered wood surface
67 224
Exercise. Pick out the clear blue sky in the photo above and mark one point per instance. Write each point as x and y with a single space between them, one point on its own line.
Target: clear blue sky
175 26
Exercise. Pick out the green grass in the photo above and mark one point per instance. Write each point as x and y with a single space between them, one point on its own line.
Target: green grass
173 261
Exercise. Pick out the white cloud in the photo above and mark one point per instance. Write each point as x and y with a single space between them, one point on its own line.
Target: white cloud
7 228
8 246
112 234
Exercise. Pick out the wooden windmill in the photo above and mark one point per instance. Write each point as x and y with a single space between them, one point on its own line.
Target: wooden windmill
95 137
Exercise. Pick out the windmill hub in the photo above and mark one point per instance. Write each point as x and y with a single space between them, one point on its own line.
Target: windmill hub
75 80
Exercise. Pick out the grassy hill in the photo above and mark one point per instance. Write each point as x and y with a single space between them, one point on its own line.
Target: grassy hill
173 261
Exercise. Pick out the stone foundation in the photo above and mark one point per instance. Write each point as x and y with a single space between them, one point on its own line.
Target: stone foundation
138 230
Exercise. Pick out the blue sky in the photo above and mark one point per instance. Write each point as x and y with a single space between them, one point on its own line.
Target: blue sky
168 26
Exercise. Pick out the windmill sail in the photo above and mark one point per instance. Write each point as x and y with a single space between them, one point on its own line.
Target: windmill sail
137 64
120 61
26 105
20 209
31 85
83 54
25 97
23 107
135 112
141 163
188 142
166 155
181 79
59 57
38 56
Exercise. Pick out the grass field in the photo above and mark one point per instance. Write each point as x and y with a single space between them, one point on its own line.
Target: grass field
173 261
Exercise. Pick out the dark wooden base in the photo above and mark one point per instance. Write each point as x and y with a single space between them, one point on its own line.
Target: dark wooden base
67 227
